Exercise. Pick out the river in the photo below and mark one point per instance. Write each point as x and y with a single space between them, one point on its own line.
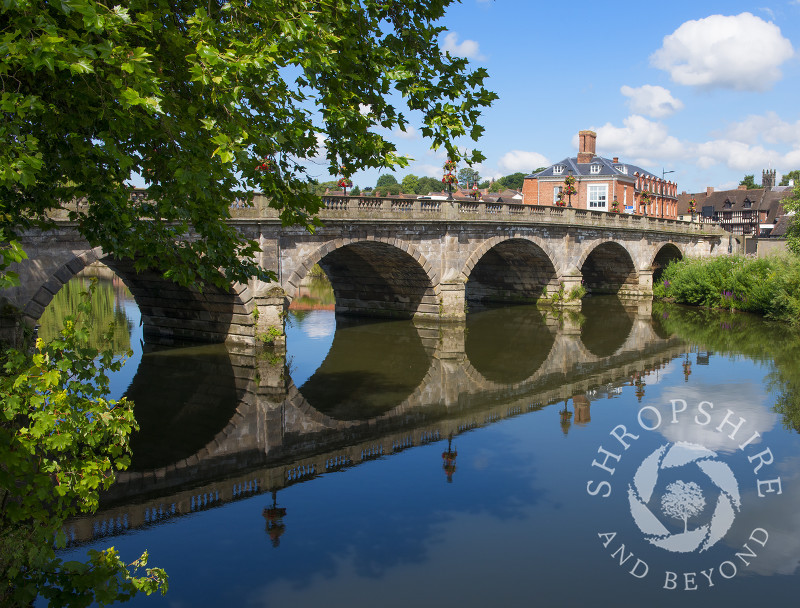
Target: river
626 455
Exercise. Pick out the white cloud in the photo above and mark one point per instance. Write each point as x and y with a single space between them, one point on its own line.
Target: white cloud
769 128
425 169
735 155
741 52
640 139
522 161
467 48
409 133
651 100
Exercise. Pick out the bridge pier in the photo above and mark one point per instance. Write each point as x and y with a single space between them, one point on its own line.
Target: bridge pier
272 309
570 282
452 301
646 282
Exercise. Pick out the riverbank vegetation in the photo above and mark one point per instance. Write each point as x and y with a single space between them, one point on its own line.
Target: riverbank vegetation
766 286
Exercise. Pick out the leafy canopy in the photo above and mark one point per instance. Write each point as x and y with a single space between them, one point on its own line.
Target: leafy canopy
60 443
210 103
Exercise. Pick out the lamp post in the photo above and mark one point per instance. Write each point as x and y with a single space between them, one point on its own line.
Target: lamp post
569 187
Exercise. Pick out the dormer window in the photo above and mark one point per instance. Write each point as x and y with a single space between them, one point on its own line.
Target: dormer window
726 205
747 203
558 169
594 169
622 169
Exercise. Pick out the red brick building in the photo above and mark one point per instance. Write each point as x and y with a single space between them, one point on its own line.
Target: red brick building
601 181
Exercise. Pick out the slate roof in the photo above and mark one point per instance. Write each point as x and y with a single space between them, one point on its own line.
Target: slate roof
760 199
607 168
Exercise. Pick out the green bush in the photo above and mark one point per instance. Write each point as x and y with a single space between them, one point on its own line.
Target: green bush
767 286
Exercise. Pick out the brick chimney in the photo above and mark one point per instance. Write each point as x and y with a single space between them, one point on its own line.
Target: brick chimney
587 143
709 190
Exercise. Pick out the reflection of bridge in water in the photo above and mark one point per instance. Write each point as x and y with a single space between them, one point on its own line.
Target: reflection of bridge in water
273 435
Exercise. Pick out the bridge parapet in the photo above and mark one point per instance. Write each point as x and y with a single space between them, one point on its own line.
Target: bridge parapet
337 207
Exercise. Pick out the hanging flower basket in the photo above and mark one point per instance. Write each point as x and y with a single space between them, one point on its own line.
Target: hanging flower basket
450 165
692 206
344 183
265 166
569 180
449 178
570 190
615 206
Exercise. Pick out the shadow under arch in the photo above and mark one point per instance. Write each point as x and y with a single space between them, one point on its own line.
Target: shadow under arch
609 269
508 345
171 313
183 398
513 270
375 279
668 253
607 325
371 368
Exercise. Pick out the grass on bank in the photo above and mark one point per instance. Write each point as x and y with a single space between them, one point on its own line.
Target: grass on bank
767 286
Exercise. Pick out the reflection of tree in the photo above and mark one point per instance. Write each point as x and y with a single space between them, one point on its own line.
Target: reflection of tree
449 460
776 344
107 312
682 501
274 516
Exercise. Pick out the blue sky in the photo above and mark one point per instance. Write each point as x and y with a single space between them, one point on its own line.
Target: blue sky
707 89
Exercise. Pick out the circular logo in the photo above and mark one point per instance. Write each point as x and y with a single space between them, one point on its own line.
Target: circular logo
653 501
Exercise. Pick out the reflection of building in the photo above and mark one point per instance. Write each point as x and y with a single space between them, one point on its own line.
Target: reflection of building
581 405
601 181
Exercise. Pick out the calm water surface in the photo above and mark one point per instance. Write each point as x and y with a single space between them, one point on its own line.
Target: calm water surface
392 465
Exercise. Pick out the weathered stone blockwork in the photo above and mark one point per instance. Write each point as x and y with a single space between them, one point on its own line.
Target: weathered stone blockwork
387 257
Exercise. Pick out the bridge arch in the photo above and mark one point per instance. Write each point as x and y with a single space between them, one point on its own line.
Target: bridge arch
510 269
609 268
669 252
170 312
381 277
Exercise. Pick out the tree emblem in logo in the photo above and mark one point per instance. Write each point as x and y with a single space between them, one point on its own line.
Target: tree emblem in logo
683 500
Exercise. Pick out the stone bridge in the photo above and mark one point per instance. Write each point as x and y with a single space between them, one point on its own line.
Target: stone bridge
420 259
276 436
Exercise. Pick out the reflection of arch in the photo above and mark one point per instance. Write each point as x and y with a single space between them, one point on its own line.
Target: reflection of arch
607 326
506 269
384 278
370 368
505 348
183 409
666 254
608 268
169 311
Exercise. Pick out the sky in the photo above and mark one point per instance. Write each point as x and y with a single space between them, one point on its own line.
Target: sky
703 91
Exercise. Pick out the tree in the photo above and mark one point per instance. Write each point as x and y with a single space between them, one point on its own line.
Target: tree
792 175
682 501
387 190
468 176
385 180
791 205
355 191
750 182
210 103
207 104
409 183
513 181
428 184
61 441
